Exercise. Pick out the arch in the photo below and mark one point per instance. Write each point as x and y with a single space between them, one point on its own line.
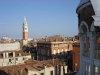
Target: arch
83 27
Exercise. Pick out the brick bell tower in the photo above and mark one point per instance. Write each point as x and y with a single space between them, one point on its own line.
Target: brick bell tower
24 33
25 29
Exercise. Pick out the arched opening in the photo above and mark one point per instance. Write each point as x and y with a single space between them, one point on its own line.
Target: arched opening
83 29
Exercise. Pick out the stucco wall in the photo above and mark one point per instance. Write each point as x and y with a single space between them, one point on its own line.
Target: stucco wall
9 46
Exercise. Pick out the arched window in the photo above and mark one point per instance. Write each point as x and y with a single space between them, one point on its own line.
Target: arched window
83 27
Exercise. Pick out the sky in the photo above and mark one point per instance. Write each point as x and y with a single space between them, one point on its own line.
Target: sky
44 17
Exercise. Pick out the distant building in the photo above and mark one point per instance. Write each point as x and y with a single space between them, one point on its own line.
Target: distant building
89 33
66 49
7 43
32 67
5 38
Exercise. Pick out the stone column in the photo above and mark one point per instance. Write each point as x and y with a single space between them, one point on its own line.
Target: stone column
81 52
13 54
4 55
92 52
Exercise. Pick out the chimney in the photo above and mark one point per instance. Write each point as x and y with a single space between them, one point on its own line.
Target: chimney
45 69
44 66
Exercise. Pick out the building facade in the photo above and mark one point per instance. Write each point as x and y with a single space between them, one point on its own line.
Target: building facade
68 52
8 58
48 50
89 31
7 43
9 46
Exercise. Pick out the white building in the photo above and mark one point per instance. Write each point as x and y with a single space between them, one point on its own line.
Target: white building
9 46
8 58
89 32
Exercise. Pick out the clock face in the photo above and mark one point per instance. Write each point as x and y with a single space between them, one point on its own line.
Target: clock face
25 28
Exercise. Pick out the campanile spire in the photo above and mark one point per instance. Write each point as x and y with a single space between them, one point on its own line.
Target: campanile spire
25 29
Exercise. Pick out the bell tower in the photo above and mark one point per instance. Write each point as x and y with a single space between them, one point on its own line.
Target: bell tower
25 29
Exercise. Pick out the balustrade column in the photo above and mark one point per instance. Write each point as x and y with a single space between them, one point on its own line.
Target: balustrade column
87 69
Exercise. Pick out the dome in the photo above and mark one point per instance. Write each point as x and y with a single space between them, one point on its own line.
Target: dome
82 2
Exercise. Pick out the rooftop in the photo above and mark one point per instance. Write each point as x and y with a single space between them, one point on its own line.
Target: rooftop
30 65
39 65
56 38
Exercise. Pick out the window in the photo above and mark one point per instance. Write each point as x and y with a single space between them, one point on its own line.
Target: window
51 72
16 59
25 28
24 58
75 66
42 73
9 60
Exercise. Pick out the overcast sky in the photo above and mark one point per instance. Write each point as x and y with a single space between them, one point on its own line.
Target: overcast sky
44 17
